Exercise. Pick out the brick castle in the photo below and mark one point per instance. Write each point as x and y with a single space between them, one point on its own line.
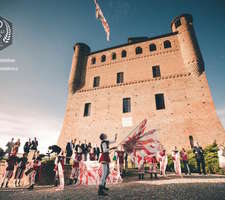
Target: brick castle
161 79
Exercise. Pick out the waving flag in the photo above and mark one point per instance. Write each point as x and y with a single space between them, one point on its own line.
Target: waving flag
142 145
100 16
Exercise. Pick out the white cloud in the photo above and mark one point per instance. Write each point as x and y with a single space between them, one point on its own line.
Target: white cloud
45 128
221 115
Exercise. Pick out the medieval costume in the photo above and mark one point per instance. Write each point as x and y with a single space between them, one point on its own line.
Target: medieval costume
163 161
59 171
16 147
153 167
76 158
184 158
104 160
11 161
176 161
141 168
20 169
32 171
92 155
120 155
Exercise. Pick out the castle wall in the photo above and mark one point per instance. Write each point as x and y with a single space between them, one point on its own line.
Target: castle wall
189 108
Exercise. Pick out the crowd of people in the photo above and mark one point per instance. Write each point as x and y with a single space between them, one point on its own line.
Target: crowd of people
178 157
75 152
21 164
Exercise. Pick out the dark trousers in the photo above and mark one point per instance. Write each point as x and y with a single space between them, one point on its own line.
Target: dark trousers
201 162
186 167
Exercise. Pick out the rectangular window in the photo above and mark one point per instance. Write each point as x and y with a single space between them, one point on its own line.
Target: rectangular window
96 81
156 71
119 77
126 105
87 109
159 101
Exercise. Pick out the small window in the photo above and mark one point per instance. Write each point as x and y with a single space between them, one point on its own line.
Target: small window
119 77
103 58
123 54
159 101
156 71
93 60
138 50
96 81
177 23
167 44
113 56
152 47
126 105
87 109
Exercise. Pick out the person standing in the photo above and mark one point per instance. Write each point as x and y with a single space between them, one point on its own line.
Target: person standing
11 161
16 147
9 146
163 161
92 156
34 144
141 167
176 161
199 155
104 160
153 167
184 158
84 150
69 151
26 147
59 171
20 169
97 151
120 155
32 171
76 158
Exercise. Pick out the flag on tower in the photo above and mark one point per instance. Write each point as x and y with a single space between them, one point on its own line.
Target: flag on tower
100 16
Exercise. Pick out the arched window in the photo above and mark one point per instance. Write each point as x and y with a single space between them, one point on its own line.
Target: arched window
152 47
138 50
123 54
113 56
103 58
93 60
167 44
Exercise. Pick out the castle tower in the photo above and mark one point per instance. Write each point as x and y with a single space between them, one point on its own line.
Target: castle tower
189 47
161 79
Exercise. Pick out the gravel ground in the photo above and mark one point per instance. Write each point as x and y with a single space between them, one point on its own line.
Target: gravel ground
172 188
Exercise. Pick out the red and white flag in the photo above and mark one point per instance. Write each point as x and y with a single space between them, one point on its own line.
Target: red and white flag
142 145
100 16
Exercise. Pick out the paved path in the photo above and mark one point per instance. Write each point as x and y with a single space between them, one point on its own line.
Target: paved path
171 188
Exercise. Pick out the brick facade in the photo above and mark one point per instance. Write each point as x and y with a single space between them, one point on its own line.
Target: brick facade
189 108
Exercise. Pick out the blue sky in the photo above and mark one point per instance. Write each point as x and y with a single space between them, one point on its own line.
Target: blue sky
33 98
